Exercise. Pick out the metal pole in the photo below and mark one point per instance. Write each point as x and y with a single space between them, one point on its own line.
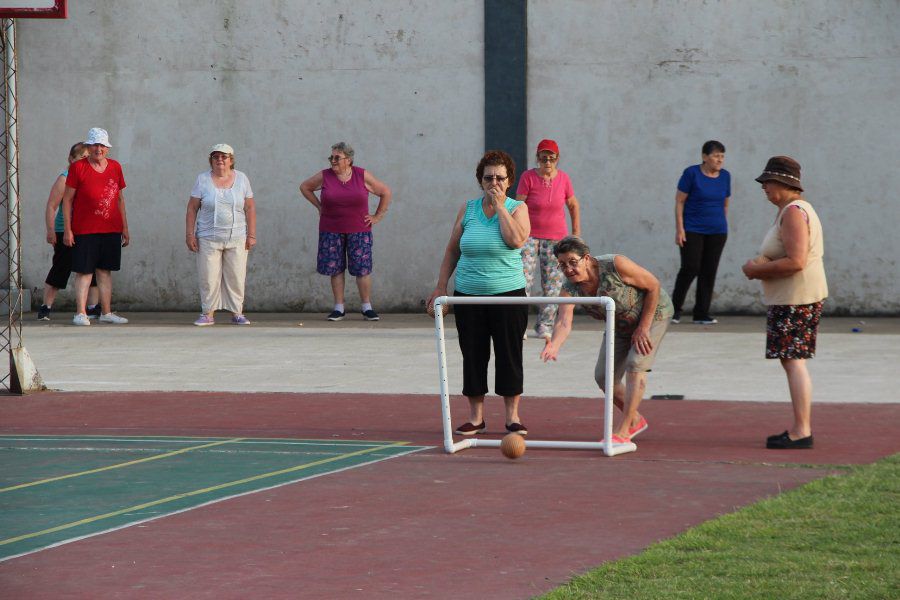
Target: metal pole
12 154
22 375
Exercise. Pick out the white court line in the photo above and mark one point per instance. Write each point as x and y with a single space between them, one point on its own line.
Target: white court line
274 441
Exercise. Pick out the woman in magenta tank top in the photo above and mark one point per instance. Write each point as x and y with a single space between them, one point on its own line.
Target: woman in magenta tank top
345 225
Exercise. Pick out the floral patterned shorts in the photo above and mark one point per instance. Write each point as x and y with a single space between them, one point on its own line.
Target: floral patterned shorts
339 251
791 330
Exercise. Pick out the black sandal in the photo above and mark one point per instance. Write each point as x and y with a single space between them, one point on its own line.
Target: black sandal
783 441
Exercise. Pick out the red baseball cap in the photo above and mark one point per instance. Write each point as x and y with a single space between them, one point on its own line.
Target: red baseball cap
549 146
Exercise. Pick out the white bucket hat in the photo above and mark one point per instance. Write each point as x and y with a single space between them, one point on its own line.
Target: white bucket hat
97 136
223 148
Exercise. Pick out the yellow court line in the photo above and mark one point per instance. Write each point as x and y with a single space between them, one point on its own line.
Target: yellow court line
119 466
194 493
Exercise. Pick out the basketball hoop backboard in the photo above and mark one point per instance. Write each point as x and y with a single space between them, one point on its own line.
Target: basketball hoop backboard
33 9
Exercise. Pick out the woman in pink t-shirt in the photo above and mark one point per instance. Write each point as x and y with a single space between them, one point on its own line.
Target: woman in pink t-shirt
345 225
548 193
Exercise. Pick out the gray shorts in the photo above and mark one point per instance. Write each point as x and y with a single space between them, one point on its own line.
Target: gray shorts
627 358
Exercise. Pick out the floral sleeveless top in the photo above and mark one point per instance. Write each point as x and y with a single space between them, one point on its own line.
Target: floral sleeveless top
629 299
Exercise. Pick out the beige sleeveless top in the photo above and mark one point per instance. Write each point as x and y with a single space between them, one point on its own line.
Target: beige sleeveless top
803 287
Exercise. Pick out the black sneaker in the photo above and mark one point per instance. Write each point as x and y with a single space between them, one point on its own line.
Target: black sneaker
517 428
470 428
94 312
336 315
43 313
370 315
676 318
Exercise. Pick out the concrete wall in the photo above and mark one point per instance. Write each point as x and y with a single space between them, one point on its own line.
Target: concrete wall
402 81
629 89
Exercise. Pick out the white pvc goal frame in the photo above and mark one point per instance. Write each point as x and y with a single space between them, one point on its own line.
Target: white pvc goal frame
608 447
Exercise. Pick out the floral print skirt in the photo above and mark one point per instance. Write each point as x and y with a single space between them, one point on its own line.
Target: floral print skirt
791 330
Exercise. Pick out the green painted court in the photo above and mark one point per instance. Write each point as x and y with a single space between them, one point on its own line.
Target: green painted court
56 489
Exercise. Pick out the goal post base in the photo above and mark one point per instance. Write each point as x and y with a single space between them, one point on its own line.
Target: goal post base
607 449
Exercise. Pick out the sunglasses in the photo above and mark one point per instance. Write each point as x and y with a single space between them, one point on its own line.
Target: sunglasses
548 159
490 178
335 158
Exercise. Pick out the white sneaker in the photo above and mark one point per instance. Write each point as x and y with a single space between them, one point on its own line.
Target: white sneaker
112 318
81 319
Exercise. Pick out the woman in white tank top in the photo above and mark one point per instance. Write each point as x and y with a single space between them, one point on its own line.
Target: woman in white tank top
791 270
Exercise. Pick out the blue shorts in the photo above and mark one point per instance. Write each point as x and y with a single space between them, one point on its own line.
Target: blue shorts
350 251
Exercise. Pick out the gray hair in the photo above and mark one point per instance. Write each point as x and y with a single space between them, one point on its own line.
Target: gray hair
345 149
571 243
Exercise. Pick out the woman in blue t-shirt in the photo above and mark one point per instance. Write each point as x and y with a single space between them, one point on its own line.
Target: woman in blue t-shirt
701 228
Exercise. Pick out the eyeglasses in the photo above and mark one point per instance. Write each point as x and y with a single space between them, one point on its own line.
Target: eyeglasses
335 158
569 264
548 159
489 178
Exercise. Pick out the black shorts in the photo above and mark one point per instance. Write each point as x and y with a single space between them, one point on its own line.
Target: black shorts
61 268
97 251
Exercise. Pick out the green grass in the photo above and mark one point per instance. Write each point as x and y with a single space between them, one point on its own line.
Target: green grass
837 537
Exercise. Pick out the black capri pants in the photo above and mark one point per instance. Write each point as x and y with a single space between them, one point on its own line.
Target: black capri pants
480 324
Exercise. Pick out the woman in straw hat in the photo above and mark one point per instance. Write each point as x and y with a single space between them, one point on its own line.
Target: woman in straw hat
791 270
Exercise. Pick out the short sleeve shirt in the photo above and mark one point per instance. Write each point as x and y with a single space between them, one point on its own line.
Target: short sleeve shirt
221 209
704 208
546 202
95 207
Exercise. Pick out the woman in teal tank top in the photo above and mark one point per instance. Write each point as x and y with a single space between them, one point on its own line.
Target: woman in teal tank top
485 251
61 268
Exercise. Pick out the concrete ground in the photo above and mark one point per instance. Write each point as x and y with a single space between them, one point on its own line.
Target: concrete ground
408 528
304 353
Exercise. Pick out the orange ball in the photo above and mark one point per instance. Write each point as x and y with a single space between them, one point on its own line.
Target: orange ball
512 445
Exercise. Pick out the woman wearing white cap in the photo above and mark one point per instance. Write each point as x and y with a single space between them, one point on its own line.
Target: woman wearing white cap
221 229
95 224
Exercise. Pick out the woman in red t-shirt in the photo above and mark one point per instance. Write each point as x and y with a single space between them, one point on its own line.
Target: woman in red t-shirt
95 224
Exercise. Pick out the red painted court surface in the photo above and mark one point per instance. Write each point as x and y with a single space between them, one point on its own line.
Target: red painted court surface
425 524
